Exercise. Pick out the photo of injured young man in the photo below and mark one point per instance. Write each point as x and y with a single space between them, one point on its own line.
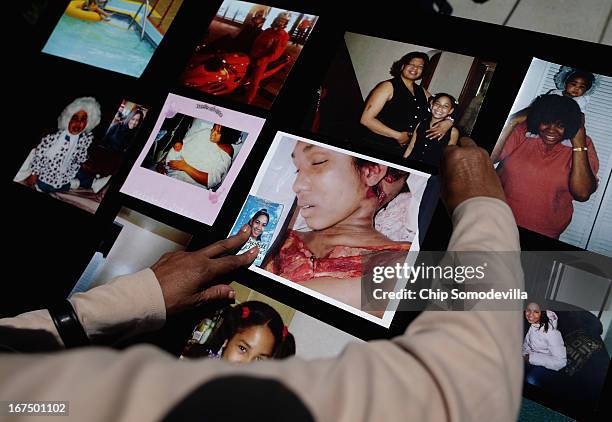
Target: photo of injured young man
343 214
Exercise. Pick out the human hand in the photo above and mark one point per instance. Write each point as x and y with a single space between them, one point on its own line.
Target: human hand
579 140
187 279
177 164
526 358
439 130
467 172
403 138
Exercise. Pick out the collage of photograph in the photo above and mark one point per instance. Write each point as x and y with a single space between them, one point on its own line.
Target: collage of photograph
175 127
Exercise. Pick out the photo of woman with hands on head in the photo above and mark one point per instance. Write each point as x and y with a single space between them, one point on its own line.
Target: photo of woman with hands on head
545 162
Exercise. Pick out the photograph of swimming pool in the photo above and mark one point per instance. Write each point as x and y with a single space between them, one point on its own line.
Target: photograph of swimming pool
118 35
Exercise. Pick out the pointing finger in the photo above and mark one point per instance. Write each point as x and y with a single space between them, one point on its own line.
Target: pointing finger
229 245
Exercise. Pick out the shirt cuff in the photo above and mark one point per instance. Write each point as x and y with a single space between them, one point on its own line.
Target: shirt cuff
128 305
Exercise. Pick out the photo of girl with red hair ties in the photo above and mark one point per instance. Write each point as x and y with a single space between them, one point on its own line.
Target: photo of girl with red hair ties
244 333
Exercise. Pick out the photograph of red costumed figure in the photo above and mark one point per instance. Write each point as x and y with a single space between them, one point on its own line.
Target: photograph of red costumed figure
248 52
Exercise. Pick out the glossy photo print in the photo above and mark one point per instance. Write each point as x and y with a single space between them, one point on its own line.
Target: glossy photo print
369 208
257 328
76 160
192 158
554 155
568 332
194 151
262 216
118 35
134 242
248 52
393 97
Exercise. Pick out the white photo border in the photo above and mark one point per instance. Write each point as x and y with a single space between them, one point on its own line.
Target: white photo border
389 313
188 200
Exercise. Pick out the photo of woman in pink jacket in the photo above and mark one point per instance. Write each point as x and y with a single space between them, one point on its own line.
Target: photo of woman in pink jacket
543 344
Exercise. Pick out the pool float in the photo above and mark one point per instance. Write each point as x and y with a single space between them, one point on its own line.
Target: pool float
74 10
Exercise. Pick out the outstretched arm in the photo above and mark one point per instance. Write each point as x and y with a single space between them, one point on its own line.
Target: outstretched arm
139 302
439 129
414 375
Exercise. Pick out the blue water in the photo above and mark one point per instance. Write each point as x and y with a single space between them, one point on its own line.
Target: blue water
108 45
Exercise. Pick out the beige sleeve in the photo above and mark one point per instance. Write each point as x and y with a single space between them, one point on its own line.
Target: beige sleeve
448 366
126 306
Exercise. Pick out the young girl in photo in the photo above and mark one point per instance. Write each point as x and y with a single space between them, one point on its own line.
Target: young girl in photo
248 332
57 159
543 345
116 141
120 135
426 150
258 223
